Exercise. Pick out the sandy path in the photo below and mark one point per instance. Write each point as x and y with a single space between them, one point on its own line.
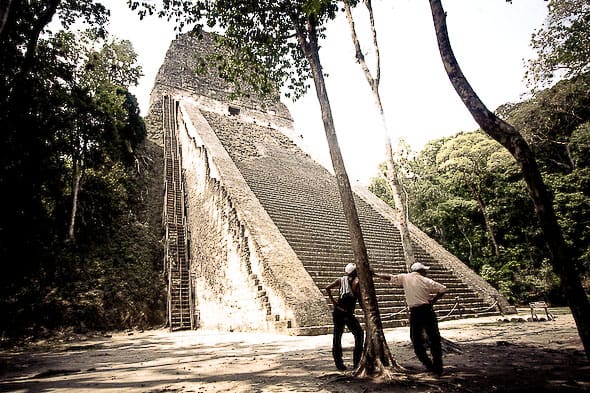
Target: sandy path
494 356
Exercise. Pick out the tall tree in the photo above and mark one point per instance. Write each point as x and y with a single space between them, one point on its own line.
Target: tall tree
467 157
279 41
392 173
377 358
46 113
562 43
444 177
32 95
24 22
102 71
513 141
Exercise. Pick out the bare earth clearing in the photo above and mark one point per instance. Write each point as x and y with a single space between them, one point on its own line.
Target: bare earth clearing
493 356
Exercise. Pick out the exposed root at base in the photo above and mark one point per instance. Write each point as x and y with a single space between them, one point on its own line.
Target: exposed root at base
383 373
393 377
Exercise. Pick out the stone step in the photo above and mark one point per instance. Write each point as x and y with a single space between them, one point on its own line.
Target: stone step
334 270
303 201
333 226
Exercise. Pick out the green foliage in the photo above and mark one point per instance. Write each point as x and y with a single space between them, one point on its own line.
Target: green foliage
263 51
106 283
562 44
452 178
114 62
380 187
550 119
65 107
561 141
118 281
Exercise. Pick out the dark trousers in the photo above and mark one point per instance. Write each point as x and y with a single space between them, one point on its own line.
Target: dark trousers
424 331
342 319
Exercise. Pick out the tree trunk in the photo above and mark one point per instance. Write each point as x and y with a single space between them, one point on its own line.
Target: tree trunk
512 140
4 10
76 188
35 33
392 169
392 177
460 227
21 77
486 219
377 359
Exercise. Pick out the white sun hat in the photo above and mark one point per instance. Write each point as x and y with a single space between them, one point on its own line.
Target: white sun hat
418 266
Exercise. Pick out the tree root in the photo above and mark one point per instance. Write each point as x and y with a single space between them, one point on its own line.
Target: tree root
450 346
392 375
382 372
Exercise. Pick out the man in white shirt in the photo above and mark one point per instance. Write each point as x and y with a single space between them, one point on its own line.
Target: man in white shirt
421 293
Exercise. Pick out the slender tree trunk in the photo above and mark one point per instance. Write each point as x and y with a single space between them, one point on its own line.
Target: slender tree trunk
570 157
486 220
512 140
392 168
377 358
78 171
460 227
4 11
76 189
392 177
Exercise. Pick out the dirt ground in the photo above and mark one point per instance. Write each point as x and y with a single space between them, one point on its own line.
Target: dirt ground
490 356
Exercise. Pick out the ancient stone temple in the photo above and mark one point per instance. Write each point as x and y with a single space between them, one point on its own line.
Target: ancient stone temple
254 226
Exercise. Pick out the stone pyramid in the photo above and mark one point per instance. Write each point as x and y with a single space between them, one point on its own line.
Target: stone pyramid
265 227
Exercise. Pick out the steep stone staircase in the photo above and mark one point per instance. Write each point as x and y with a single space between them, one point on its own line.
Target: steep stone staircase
302 199
176 260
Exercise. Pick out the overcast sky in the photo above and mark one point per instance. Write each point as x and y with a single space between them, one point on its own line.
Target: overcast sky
490 39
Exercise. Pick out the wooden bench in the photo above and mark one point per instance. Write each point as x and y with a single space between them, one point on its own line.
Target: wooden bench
538 305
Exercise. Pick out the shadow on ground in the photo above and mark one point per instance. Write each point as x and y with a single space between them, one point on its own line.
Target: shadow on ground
489 357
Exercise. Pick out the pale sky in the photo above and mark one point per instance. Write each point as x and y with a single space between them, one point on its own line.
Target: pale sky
490 39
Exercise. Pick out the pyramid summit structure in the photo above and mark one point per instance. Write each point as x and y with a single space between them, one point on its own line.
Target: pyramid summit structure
254 227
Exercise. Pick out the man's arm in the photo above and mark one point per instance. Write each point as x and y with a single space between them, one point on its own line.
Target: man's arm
436 297
440 291
334 284
356 288
386 277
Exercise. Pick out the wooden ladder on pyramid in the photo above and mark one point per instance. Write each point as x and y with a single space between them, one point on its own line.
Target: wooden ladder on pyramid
180 308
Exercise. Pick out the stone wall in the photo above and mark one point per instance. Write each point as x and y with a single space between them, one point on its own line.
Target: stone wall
179 74
187 68
237 252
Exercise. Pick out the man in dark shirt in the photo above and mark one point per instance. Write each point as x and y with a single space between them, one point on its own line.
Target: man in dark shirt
343 315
